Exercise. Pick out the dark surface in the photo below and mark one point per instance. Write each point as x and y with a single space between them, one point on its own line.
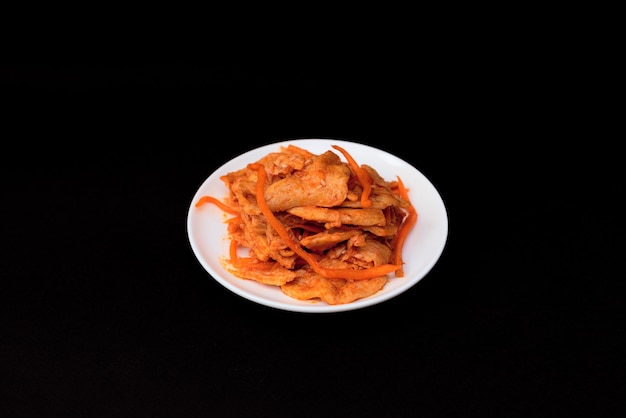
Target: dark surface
106 312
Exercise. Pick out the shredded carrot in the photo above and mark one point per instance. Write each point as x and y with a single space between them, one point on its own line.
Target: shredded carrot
233 250
352 274
404 229
233 223
219 203
253 264
298 150
225 208
361 174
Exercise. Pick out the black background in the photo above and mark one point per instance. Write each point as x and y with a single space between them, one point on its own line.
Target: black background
106 311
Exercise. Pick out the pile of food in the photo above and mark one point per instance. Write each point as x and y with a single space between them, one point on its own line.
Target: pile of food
314 225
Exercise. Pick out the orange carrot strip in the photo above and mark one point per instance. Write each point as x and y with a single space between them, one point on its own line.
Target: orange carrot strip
353 274
237 261
233 250
404 229
361 174
219 203
298 150
234 222
253 264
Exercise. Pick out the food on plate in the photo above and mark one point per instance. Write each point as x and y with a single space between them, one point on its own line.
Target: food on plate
320 227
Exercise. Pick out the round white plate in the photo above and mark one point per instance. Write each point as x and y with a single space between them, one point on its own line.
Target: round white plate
209 240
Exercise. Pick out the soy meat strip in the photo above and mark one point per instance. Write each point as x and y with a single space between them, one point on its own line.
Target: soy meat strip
317 227
322 182
341 216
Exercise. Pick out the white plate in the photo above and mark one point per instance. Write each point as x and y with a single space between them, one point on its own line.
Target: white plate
209 240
